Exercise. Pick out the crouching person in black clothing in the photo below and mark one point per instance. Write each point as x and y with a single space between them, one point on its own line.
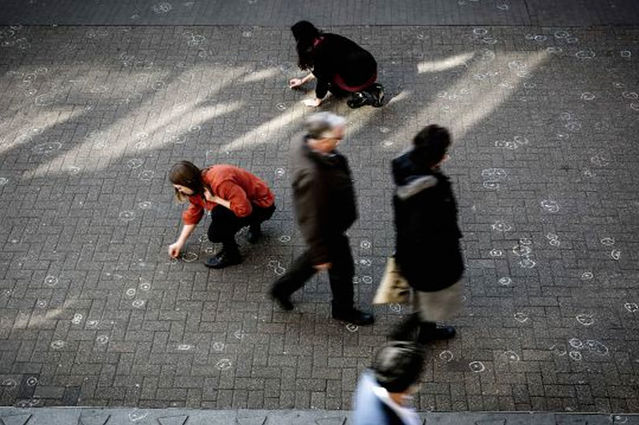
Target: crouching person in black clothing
340 66
427 248
324 200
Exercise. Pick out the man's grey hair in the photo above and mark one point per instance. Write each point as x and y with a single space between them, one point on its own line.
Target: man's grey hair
318 125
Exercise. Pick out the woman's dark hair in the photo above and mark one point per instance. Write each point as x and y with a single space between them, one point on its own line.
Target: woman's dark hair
305 34
430 145
398 365
186 174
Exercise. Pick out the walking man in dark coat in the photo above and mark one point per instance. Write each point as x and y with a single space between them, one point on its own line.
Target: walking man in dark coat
427 244
324 200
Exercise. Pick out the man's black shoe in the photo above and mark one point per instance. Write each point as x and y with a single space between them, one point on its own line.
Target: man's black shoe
254 233
438 333
283 301
355 317
223 259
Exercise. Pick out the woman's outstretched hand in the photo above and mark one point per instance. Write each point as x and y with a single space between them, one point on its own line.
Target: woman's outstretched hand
295 82
174 249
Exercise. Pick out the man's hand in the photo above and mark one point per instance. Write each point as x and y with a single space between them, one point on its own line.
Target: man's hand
324 266
174 249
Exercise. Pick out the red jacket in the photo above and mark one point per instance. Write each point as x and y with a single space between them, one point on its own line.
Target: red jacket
241 188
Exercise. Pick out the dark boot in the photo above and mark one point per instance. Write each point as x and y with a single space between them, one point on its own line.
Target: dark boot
406 329
254 233
377 93
282 300
300 271
429 331
229 256
359 99
353 316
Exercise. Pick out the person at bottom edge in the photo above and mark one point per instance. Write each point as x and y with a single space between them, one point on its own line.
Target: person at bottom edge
324 200
385 389
427 248
236 199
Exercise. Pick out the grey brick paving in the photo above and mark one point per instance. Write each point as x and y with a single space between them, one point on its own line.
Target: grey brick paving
280 13
93 313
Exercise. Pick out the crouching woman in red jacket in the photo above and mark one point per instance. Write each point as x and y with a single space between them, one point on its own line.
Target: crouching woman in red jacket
236 199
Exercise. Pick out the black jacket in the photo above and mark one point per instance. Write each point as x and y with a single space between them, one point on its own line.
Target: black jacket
427 243
324 199
338 55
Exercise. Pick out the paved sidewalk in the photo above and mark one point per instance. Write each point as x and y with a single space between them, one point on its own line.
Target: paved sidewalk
87 416
282 13
93 313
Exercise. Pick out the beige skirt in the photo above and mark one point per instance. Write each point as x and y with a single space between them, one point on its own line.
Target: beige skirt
439 305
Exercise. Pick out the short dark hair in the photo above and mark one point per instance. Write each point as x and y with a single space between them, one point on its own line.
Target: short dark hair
398 365
430 145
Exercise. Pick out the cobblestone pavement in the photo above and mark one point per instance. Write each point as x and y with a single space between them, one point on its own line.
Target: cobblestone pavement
93 313
326 12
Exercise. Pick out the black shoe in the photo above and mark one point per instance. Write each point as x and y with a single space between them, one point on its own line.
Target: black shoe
377 93
223 259
437 333
359 99
355 317
283 301
254 233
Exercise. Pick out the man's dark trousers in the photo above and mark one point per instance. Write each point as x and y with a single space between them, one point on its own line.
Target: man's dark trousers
340 274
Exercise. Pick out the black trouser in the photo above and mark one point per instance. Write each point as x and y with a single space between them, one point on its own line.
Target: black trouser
337 91
340 274
225 224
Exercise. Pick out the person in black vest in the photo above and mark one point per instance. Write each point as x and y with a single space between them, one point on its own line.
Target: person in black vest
325 206
427 248
339 65
384 390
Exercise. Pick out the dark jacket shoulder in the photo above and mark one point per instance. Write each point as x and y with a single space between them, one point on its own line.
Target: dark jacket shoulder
402 167
427 234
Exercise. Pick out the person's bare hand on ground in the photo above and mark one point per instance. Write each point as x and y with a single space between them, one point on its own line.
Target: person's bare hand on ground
294 83
174 249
